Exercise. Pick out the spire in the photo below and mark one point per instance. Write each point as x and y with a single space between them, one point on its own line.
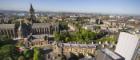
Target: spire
31 8
32 14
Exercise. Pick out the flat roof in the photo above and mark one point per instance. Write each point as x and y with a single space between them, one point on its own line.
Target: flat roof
111 54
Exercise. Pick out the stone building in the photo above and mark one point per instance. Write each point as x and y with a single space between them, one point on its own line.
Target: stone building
4 18
75 48
38 43
7 29
29 27
44 28
32 17
29 33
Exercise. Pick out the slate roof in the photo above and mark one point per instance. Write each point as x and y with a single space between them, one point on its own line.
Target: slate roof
79 45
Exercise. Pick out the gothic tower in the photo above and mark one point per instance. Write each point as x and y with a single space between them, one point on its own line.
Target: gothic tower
32 17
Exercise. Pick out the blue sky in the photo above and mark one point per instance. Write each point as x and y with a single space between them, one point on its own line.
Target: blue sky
99 6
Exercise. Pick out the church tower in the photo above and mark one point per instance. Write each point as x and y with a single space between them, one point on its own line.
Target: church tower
32 17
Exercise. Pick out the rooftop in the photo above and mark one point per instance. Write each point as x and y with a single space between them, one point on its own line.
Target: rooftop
79 45
40 25
7 26
111 54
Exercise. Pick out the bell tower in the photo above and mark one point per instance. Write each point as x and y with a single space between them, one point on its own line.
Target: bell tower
32 17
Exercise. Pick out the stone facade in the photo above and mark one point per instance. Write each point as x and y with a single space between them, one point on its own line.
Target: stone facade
75 48
7 29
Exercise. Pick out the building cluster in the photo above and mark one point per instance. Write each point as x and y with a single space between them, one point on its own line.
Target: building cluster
70 50
29 33
28 30
3 18
113 24
127 48
76 48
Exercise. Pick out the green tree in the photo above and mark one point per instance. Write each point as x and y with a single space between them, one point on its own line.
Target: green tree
111 39
36 54
57 36
27 53
21 58
7 51
67 39
4 40
63 26
81 35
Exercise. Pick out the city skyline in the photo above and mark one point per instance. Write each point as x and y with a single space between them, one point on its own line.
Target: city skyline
89 6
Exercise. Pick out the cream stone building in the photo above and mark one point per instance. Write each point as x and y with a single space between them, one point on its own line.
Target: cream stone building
75 48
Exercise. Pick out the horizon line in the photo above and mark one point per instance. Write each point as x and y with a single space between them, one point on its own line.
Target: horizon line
128 14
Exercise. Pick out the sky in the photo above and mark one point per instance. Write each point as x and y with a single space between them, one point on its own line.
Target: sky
90 6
